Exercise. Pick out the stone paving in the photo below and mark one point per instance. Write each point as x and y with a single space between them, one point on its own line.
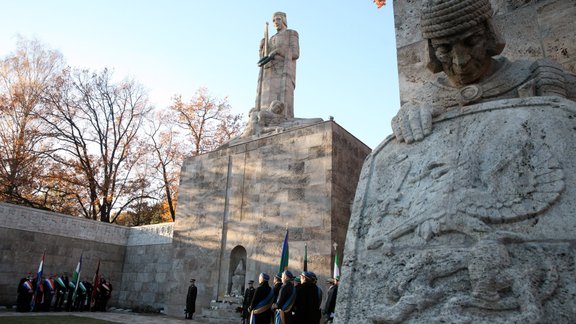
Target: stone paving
116 316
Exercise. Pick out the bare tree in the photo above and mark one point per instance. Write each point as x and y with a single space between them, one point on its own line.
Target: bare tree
168 148
96 123
208 120
25 75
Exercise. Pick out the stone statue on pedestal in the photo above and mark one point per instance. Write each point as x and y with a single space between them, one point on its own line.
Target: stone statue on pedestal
274 110
278 57
466 215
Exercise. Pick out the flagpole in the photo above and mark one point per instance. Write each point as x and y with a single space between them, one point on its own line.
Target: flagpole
38 280
76 276
336 268
305 257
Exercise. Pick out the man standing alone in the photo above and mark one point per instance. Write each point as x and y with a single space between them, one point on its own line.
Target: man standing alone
191 299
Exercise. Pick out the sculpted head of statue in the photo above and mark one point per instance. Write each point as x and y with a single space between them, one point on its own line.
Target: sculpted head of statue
461 39
279 20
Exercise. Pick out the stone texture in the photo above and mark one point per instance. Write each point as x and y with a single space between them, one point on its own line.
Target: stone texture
473 224
243 197
532 29
26 233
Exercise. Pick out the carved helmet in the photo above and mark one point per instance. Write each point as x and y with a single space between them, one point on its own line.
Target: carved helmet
445 18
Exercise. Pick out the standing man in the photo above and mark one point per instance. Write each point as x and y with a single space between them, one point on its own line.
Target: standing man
285 301
278 60
263 298
25 291
331 300
191 299
248 295
61 284
307 306
277 285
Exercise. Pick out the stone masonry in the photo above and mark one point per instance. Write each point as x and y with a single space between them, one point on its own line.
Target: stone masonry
237 202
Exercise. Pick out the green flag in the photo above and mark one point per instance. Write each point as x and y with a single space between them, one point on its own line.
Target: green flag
76 278
285 255
336 268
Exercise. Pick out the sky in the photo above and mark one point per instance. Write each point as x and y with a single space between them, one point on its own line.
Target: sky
347 66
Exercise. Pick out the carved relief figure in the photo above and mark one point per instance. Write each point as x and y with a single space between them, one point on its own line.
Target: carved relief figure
462 42
449 222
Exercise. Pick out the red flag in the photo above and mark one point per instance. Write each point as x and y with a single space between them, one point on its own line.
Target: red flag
95 284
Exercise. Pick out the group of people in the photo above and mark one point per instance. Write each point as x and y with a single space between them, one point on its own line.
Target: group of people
57 293
290 300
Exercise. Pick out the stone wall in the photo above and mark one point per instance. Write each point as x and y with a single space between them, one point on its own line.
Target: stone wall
147 264
136 260
26 233
242 198
532 29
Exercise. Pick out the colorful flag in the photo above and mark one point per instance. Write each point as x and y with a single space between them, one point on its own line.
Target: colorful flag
305 257
38 280
76 278
95 284
336 269
285 254
60 282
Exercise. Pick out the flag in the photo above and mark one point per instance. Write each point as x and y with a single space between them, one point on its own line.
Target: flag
95 284
305 257
76 278
285 254
336 269
38 280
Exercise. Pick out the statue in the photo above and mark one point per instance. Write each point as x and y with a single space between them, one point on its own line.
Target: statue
238 279
464 50
467 222
274 110
278 57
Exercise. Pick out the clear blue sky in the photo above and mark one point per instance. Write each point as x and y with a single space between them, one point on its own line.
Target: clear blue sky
347 66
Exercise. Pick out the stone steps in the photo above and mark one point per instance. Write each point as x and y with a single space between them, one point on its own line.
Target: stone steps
223 311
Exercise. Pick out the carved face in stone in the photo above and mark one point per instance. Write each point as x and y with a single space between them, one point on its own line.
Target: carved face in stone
464 56
279 22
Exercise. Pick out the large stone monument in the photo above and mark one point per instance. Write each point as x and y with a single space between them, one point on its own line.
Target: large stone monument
467 214
235 204
274 109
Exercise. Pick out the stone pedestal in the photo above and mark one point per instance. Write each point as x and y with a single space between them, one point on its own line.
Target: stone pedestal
236 203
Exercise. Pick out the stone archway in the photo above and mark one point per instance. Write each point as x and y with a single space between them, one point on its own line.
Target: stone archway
237 271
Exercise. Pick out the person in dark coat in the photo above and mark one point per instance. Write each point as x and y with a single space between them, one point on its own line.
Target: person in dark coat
330 305
277 285
25 292
308 299
285 302
61 284
260 312
248 295
191 299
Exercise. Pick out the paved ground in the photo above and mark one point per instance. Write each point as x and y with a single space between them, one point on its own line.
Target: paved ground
116 316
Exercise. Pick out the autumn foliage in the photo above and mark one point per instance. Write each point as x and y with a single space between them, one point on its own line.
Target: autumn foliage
380 3
86 144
